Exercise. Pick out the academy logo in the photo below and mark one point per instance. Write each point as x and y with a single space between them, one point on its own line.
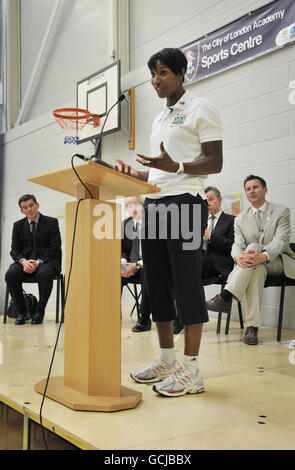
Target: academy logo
192 54
286 35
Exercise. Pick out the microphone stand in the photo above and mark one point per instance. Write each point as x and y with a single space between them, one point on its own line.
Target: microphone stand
95 157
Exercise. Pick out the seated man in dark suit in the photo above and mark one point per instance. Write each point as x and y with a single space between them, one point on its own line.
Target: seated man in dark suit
217 242
218 237
131 259
36 252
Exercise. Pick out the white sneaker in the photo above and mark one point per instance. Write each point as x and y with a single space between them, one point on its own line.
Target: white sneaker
180 382
155 372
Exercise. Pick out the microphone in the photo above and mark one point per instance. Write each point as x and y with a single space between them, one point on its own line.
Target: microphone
83 157
95 157
99 161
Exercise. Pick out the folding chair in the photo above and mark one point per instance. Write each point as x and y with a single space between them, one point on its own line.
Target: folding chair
135 294
60 296
221 280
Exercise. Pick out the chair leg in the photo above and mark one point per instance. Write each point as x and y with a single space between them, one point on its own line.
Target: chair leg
281 311
218 323
131 313
6 305
136 300
228 319
240 315
57 300
133 295
135 304
227 323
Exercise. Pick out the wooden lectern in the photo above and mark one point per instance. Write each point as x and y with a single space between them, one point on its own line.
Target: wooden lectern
92 350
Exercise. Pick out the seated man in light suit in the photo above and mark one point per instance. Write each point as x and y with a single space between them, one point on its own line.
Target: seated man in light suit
131 259
261 248
217 242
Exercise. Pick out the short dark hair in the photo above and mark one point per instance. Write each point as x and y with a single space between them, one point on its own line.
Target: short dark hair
173 58
215 190
26 197
253 177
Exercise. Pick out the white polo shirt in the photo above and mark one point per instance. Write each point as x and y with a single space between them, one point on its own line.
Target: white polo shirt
183 127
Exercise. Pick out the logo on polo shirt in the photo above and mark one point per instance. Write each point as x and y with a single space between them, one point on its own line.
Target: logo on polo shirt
178 120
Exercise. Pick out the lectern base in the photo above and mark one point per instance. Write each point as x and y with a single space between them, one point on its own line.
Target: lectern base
71 398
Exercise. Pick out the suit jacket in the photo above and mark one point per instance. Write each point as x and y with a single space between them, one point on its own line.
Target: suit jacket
274 235
126 244
47 241
220 243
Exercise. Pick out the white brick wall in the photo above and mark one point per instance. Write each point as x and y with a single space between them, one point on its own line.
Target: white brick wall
258 119
155 24
77 47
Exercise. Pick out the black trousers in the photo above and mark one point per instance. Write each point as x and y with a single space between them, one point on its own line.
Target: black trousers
145 309
171 271
208 270
44 275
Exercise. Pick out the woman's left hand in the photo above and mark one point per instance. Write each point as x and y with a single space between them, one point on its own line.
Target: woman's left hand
162 162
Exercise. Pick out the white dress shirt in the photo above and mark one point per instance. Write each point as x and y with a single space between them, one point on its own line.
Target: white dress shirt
261 208
216 217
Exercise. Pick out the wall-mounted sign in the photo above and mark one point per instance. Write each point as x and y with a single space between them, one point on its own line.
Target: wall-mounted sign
232 203
259 32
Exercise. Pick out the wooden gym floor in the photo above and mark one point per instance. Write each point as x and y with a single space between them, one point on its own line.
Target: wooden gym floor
248 401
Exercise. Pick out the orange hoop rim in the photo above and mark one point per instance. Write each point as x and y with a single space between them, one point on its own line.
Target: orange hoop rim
61 113
77 117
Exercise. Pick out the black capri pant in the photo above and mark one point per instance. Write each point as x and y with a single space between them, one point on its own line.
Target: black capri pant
172 257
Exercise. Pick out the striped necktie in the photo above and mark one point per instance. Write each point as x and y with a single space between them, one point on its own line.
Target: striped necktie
210 228
258 217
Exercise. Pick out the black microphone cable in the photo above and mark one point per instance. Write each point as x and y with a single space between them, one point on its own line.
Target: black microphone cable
65 301
82 182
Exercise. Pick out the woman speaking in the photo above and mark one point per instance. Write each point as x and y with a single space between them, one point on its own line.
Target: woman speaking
186 144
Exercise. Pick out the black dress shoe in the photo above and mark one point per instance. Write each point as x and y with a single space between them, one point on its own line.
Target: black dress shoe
38 318
217 304
142 325
251 335
20 320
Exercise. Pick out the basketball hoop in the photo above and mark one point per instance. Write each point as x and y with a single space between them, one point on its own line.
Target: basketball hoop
75 118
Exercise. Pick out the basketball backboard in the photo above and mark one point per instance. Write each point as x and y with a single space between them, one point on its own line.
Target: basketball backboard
98 93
